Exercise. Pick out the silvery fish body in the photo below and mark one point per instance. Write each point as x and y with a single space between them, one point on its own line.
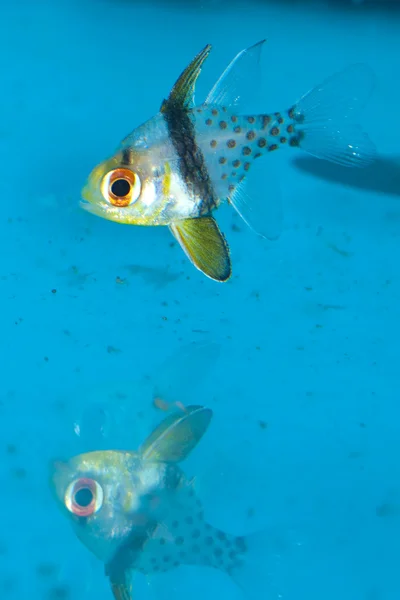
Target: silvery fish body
177 168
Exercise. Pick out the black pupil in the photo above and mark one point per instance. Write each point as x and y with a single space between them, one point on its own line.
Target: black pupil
121 188
83 497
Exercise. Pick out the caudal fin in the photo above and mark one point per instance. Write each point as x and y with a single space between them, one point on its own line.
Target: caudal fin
264 568
324 119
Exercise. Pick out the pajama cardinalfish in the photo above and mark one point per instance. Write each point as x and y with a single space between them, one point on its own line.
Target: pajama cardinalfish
137 511
179 166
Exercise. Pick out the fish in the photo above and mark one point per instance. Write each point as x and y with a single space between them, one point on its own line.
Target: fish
137 511
175 169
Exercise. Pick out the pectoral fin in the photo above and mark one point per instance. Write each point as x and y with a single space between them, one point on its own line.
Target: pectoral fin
177 435
182 94
121 587
205 246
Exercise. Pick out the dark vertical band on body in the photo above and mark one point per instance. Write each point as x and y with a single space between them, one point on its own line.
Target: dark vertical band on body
192 166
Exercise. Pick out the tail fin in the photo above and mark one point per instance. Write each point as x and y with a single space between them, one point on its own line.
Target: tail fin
264 570
324 119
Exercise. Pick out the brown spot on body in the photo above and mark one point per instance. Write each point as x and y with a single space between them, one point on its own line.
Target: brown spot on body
279 118
273 147
290 128
251 120
224 176
231 187
250 135
223 124
222 160
214 112
246 151
231 143
291 113
179 541
213 143
236 163
237 129
294 141
242 178
274 131
221 535
240 543
265 120
262 142
233 118
283 140
208 122
246 166
257 155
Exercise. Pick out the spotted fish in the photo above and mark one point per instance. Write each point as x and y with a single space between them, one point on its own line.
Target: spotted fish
179 166
137 511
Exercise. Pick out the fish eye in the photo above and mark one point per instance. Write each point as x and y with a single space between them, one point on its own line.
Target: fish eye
121 187
84 497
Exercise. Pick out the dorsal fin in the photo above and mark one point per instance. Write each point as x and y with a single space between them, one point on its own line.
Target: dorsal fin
177 435
182 94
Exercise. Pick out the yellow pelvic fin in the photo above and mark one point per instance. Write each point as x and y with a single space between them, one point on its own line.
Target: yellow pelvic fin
177 435
182 93
205 246
122 590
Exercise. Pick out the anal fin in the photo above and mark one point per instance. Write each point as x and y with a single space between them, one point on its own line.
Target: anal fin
205 246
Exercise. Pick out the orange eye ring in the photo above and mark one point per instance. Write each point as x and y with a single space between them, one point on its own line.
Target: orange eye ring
121 187
84 497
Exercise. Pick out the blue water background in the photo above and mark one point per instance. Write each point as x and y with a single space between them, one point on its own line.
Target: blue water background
297 355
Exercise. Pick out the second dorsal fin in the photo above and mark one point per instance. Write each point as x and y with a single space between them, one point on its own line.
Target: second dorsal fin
182 94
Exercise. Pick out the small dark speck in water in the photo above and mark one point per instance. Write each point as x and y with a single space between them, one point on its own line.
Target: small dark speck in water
387 510
19 473
159 278
60 592
11 449
113 350
331 306
343 253
263 424
46 569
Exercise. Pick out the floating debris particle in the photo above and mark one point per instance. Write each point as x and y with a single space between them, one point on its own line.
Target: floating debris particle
159 278
113 350
339 251
120 280
46 569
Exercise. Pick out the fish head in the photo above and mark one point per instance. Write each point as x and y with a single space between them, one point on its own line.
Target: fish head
132 187
108 496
